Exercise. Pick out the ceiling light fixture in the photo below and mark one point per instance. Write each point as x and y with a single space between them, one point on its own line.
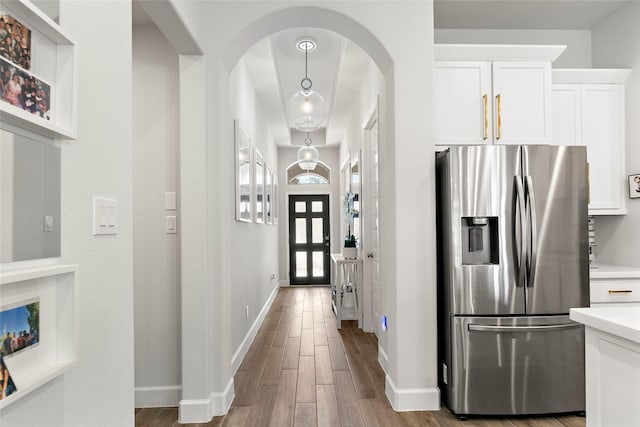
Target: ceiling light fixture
308 155
307 106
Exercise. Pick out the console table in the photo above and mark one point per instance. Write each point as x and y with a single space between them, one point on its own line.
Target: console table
346 289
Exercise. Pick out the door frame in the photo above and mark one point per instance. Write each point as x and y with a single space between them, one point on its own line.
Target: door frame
369 324
308 192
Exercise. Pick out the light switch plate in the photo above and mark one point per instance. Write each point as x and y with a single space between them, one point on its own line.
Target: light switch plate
171 225
48 223
170 202
105 216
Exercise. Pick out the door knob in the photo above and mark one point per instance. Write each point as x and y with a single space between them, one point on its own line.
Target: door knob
370 255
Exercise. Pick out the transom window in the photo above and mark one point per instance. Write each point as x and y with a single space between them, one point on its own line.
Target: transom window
298 176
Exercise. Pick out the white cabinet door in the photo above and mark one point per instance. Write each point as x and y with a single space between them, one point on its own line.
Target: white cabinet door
567 109
461 89
522 102
603 134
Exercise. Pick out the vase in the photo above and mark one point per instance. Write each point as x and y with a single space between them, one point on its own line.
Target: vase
350 253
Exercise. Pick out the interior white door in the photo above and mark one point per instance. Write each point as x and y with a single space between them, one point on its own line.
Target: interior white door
373 241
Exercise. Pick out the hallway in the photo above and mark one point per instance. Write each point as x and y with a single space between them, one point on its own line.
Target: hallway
300 370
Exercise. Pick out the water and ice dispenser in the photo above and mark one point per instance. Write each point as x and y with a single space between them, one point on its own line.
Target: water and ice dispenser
480 240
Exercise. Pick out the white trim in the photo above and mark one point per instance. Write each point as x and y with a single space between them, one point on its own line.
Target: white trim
590 76
221 402
412 399
159 396
494 52
383 359
242 350
203 410
194 411
372 115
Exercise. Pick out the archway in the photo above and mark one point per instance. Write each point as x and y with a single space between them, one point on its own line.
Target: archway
412 384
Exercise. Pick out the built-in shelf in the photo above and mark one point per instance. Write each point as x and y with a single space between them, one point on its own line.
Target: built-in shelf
54 60
56 288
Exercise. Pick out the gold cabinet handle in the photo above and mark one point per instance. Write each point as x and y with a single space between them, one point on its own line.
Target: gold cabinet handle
485 101
499 102
620 291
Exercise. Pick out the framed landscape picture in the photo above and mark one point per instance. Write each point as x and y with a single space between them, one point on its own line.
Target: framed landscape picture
243 173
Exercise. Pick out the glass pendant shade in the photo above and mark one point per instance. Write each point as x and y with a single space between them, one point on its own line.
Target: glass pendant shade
307 108
308 157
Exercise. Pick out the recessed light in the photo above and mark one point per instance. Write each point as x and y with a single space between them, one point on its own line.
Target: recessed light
306 44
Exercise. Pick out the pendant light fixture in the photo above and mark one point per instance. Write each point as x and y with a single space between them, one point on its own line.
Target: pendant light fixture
308 155
307 106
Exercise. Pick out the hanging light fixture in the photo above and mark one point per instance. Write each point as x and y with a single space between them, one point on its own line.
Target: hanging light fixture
307 106
308 155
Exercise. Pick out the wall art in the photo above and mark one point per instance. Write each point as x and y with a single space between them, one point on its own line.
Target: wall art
25 91
15 41
20 327
243 173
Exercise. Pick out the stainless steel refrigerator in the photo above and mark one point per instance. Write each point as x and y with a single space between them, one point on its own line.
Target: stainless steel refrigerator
512 261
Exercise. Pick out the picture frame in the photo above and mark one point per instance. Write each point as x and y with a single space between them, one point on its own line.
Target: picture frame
15 42
634 186
275 198
20 327
258 179
24 90
243 169
268 186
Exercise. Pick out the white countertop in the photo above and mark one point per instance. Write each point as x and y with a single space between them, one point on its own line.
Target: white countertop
623 322
612 271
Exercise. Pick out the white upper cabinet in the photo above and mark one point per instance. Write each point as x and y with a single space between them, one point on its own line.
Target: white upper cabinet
503 99
462 109
588 109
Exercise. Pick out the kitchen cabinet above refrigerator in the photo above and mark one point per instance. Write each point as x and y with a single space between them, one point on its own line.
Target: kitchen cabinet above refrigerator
493 94
589 109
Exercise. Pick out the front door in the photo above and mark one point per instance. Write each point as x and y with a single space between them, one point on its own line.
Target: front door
309 241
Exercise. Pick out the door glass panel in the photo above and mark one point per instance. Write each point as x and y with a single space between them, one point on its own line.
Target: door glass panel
318 263
301 230
317 230
301 207
316 206
301 264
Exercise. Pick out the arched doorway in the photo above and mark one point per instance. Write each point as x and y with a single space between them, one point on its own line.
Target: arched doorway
408 302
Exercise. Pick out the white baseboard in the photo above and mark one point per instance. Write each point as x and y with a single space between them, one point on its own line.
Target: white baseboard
154 397
195 411
412 399
221 402
203 410
236 360
383 359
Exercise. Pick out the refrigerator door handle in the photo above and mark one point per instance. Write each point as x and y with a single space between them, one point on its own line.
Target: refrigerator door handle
520 252
533 227
539 328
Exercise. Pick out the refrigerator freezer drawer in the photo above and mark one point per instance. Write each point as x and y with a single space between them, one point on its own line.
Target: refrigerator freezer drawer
516 365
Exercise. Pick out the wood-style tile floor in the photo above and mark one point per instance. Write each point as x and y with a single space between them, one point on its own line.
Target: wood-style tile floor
302 371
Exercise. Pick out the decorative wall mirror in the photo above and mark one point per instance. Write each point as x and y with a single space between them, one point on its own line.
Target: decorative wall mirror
29 199
259 187
243 173
355 188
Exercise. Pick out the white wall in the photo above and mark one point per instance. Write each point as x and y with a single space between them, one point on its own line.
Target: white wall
156 254
7 144
616 44
577 54
287 156
98 390
251 245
